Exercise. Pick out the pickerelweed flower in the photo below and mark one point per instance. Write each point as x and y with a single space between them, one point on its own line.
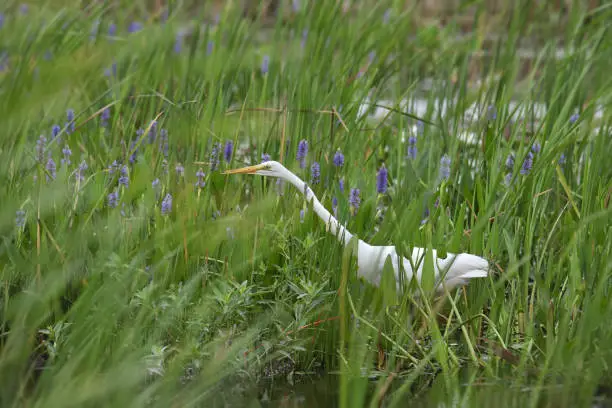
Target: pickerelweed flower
51 169
341 184
178 43
155 183
536 147
355 199
209 47
55 131
80 172
153 132
104 117
508 179
335 206
338 159
445 163
214 156
112 71
425 216
412 147
114 166
113 199
304 38
265 64
562 159
295 5
124 180
302 215
163 142
491 113
166 205
67 153
41 148
574 118
135 26
265 157
302 151
527 164
180 170
20 219
381 180
420 127
228 150
200 175
112 29
510 161
315 173
69 121
134 151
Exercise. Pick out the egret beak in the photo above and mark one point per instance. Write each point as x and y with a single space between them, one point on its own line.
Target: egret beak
245 170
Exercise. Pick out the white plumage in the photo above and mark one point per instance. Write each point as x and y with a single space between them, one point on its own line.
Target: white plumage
450 272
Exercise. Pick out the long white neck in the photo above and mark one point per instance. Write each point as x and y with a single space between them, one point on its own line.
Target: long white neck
334 227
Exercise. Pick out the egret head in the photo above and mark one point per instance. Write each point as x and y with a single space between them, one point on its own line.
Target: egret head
268 168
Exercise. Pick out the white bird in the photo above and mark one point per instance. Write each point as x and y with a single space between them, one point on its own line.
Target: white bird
450 272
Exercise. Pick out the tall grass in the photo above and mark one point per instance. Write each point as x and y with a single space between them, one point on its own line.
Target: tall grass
128 279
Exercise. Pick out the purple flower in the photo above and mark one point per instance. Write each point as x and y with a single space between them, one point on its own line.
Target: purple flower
113 199
381 180
510 161
302 151
70 121
445 163
180 170
166 205
335 206
536 147
341 184
200 175
163 142
112 71
20 218
387 16
112 29
355 199
134 149
265 64
338 158
371 56
562 159
412 148
295 4
214 156
104 117
51 169
302 215
265 157
153 132
80 173
94 30
227 152
491 113
304 37
315 173
135 26
508 179
420 127
41 148
209 47
113 167
178 43
23 8
425 216
574 118
124 179
155 183
55 130
1 20
527 164
67 153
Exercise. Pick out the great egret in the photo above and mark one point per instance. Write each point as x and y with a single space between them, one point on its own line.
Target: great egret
450 272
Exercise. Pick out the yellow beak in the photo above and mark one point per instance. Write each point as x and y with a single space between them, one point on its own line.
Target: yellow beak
244 170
